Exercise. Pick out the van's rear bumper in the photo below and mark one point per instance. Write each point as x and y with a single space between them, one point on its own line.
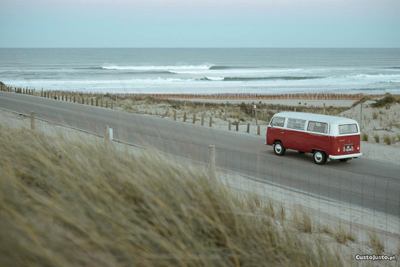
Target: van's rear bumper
349 156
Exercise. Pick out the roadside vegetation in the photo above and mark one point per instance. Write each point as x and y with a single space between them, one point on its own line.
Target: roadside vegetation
71 203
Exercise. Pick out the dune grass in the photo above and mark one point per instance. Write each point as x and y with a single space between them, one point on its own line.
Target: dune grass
71 203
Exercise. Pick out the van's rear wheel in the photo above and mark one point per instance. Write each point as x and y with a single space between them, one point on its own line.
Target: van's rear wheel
319 157
279 149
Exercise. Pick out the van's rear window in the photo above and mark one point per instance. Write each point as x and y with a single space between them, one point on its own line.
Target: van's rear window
278 121
348 129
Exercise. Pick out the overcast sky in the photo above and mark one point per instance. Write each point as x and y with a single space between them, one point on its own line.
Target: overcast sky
205 23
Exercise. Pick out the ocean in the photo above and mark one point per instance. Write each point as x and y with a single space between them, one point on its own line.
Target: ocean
203 70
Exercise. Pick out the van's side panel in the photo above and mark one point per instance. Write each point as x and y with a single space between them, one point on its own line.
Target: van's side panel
295 140
275 133
320 142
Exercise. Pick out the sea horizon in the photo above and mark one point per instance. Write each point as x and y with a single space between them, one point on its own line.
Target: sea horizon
204 70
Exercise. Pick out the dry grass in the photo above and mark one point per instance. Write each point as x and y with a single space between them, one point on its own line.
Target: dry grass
387 139
376 137
364 136
77 204
342 235
375 243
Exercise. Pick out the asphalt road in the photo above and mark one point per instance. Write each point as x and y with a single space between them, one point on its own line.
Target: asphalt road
363 182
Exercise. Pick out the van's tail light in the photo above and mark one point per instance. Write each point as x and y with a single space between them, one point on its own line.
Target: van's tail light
338 149
358 147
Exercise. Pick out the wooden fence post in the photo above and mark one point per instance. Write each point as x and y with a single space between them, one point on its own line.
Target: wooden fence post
211 121
97 102
194 118
32 120
239 115
101 102
174 115
184 116
258 129
202 119
91 101
248 127
324 108
229 125
237 127
74 99
106 103
212 163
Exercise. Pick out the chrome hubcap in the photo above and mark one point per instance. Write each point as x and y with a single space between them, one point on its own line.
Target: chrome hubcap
278 148
318 156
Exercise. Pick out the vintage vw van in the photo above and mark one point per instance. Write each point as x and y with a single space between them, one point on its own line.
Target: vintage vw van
325 136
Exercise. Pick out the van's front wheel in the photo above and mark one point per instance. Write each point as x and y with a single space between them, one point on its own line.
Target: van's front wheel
319 157
279 149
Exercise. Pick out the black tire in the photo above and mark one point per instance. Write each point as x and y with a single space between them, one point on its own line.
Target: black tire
343 160
301 152
319 157
279 149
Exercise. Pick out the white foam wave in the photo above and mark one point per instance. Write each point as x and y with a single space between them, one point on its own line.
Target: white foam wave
158 68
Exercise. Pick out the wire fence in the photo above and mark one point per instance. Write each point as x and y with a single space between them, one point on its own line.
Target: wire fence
361 201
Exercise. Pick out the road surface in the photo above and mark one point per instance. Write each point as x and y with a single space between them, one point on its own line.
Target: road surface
363 182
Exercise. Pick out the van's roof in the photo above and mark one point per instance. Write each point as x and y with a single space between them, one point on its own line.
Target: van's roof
315 117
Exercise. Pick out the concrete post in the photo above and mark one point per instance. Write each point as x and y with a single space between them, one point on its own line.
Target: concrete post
202 119
32 120
106 133
212 163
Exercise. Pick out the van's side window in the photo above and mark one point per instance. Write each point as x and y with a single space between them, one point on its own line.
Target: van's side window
348 129
278 121
296 124
319 127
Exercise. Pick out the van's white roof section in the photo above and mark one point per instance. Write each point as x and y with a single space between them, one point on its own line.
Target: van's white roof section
315 117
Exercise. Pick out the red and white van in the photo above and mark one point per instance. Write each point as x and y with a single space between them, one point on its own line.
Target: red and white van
324 136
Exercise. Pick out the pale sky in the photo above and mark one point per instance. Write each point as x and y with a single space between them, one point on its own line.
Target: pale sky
206 23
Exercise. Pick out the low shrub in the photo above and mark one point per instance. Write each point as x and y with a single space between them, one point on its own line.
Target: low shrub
387 139
388 99
376 137
364 136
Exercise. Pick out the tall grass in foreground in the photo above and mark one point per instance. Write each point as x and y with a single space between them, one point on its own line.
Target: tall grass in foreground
75 204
